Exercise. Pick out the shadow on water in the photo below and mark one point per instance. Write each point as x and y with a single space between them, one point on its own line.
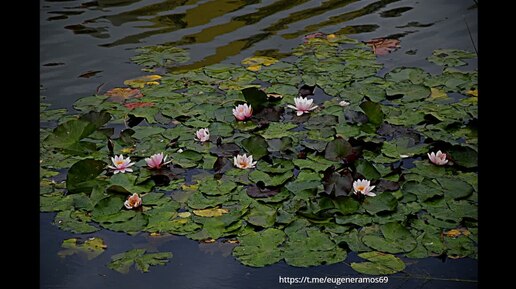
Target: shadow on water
85 44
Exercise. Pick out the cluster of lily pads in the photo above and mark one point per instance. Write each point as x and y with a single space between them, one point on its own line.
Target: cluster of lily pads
278 158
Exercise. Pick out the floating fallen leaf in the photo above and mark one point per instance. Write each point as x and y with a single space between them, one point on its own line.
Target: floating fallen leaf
89 73
134 105
316 35
232 241
454 233
155 234
213 212
383 46
140 82
472 92
254 63
119 94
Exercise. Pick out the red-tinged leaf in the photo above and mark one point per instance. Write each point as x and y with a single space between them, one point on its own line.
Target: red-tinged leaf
119 94
315 35
134 105
383 46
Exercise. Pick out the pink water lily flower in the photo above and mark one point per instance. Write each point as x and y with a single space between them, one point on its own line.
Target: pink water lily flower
438 158
156 161
133 201
363 187
244 162
121 165
202 135
243 111
303 105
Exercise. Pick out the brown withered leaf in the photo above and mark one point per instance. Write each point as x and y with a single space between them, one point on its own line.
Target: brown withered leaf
119 94
383 46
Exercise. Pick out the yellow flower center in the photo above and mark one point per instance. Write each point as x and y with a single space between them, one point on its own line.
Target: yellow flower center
360 188
119 163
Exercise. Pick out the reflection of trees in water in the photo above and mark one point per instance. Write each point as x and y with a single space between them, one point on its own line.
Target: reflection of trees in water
230 41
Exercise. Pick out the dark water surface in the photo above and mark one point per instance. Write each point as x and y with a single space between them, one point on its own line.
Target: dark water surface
85 44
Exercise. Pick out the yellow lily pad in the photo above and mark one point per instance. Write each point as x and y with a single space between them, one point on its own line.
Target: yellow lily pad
254 63
213 212
140 82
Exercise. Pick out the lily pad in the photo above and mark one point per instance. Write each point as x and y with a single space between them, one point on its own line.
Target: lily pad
142 261
379 264
256 146
380 203
450 57
259 249
311 247
338 149
91 248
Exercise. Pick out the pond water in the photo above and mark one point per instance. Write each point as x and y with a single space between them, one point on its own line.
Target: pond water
86 45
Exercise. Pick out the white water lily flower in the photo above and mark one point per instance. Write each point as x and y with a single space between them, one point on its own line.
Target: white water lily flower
133 201
202 135
438 158
121 165
344 103
303 105
156 161
363 187
243 111
244 162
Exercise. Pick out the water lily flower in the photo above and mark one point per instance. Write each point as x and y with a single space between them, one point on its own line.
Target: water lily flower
156 161
344 103
202 135
244 162
438 158
133 201
363 187
243 111
121 165
303 105
180 151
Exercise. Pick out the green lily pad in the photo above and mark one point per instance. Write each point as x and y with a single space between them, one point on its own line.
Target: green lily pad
262 215
259 249
337 149
256 146
380 203
455 188
125 183
72 222
122 262
213 187
81 176
270 179
55 202
409 91
278 130
311 247
424 190
379 264
450 57
160 55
